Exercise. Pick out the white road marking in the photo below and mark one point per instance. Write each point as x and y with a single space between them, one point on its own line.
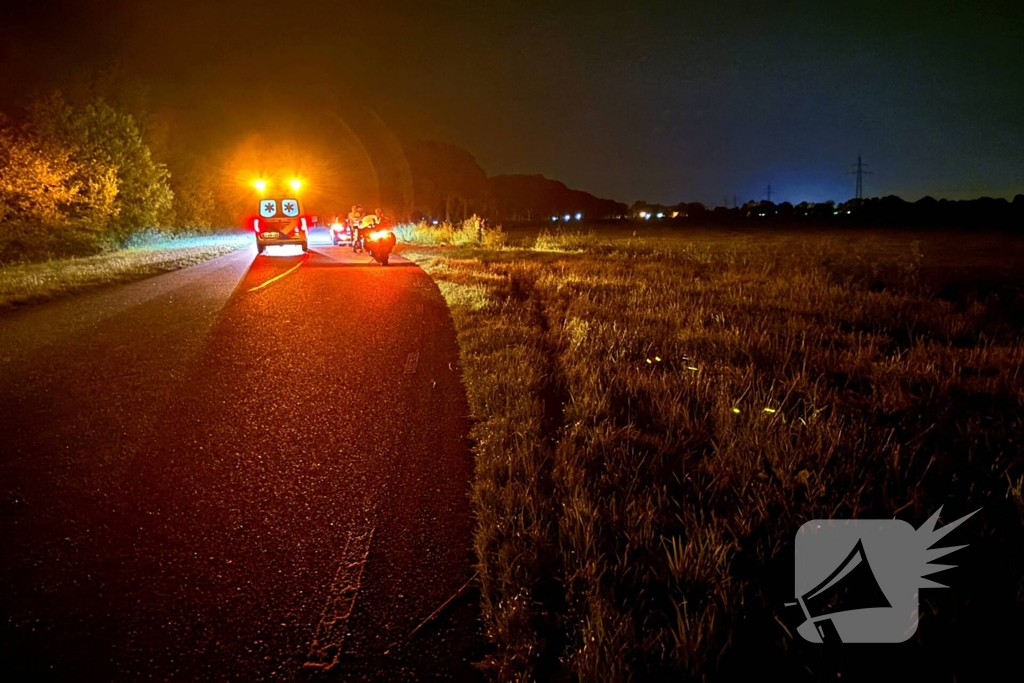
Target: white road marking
330 634
411 361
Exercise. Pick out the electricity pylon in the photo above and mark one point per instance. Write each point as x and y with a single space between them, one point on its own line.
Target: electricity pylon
860 171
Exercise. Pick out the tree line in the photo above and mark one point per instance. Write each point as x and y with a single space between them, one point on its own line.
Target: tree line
87 172
78 178
449 184
984 213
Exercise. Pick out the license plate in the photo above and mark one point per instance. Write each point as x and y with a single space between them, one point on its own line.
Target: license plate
272 235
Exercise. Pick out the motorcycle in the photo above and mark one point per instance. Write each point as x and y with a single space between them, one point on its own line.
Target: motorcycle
379 243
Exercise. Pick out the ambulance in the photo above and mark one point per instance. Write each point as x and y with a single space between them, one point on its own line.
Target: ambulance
281 220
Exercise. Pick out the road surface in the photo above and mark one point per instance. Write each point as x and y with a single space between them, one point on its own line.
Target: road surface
253 469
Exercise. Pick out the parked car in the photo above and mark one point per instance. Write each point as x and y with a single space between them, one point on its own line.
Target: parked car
341 233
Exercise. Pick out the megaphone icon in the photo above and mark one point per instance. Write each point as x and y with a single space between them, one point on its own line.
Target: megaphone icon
850 604
851 586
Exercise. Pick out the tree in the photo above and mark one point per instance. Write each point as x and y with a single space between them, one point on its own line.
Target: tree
696 210
532 197
36 179
446 176
102 139
195 202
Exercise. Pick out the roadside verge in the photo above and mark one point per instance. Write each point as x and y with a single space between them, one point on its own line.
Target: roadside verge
30 283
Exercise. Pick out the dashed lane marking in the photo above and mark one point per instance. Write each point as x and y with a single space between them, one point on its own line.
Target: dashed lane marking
411 361
325 650
278 277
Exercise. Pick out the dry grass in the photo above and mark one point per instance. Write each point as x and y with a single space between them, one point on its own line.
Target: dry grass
656 417
472 231
35 282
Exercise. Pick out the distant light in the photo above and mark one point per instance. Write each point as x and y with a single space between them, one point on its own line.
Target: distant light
661 215
295 184
643 214
567 217
260 185
647 217
675 214
554 218
847 212
435 221
835 213
579 216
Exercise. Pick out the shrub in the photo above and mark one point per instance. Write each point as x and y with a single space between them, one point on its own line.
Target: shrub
472 231
565 240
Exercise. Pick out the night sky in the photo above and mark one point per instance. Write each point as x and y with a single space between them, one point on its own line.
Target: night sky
665 102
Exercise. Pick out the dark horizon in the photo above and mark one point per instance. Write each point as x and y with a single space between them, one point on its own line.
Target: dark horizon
661 104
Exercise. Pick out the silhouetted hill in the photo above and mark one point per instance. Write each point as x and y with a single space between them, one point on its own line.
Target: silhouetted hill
534 198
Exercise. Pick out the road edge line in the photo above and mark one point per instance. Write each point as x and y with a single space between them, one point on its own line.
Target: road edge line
278 277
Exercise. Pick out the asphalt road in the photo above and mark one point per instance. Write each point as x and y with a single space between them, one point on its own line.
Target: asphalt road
214 474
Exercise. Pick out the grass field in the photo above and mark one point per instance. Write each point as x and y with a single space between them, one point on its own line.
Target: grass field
657 413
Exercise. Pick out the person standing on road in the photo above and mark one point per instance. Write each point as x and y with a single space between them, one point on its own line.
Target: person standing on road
369 222
355 218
